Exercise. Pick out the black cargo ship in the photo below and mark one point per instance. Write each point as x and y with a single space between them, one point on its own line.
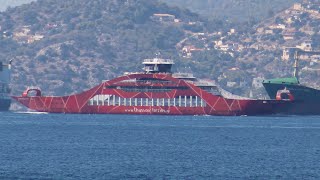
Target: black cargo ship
5 100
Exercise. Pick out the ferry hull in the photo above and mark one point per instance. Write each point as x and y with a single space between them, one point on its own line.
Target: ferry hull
171 97
244 107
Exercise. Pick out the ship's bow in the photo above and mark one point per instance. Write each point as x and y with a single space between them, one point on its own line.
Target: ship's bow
33 103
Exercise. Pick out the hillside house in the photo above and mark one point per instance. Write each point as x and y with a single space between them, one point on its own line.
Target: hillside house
237 47
231 84
255 46
297 7
163 17
219 33
224 47
195 23
269 31
234 69
315 58
32 39
22 35
289 20
296 12
51 26
307 30
24 31
289 34
218 43
277 26
260 30
191 48
288 53
232 31
306 45
7 34
188 50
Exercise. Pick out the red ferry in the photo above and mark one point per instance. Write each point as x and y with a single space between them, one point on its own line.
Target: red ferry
155 91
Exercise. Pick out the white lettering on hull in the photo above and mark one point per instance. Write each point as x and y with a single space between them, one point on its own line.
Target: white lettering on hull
147 110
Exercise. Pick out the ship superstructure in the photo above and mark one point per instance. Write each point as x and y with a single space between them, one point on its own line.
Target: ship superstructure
156 90
5 100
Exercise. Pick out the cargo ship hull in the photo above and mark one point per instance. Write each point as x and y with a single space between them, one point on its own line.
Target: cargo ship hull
5 100
149 94
5 104
306 99
300 92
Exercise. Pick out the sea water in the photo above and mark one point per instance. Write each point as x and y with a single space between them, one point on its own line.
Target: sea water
60 146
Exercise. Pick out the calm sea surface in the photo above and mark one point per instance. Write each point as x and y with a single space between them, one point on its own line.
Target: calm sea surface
57 146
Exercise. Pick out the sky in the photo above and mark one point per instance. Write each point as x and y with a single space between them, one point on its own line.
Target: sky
6 3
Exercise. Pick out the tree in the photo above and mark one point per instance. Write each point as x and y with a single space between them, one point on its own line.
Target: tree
30 17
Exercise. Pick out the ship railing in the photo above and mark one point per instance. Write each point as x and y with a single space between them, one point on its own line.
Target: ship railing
145 82
204 84
229 95
183 75
34 87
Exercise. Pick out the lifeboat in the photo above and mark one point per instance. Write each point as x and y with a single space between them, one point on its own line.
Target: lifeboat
285 95
32 91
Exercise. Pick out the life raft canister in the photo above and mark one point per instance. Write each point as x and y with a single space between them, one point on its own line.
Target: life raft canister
284 94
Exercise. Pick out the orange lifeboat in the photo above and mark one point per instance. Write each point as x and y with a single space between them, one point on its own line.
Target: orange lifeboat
31 91
284 94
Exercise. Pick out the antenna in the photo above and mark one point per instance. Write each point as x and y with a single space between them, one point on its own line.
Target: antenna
296 60
158 54
295 66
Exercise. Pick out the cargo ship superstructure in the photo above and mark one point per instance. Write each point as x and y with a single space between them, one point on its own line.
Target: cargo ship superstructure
5 99
156 91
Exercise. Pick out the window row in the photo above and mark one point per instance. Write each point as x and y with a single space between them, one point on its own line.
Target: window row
180 101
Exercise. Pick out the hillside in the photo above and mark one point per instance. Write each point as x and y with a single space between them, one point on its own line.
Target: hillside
264 51
68 46
236 11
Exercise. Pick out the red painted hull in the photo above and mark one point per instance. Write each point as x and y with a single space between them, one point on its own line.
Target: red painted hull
192 100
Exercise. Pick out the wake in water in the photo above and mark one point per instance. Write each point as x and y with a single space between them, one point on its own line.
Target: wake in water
30 112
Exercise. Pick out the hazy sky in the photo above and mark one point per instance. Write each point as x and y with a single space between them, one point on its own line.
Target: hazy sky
6 3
